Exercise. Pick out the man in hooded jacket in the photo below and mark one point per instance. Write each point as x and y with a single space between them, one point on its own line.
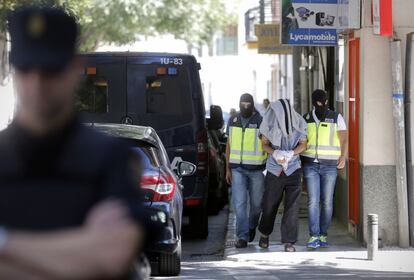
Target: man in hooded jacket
284 138
325 154
245 161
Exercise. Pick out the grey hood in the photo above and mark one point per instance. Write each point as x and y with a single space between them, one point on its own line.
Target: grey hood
281 120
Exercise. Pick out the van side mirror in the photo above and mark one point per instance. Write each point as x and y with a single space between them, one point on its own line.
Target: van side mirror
216 120
185 169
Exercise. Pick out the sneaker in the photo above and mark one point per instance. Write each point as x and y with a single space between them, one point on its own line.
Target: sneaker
313 242
241 244
264 242
323 241
252 234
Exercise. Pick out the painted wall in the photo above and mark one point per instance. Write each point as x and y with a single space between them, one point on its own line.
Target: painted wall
377 129
376 84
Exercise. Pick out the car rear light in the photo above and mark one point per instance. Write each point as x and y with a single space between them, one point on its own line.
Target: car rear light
202 152
163 186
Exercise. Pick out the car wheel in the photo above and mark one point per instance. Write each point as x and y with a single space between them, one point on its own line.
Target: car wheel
199 223
141 269
169 264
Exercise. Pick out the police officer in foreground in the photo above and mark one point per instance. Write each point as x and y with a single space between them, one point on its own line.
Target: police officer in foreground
69 205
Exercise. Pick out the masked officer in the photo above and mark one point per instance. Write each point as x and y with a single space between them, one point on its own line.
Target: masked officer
245 164
325 154
69 205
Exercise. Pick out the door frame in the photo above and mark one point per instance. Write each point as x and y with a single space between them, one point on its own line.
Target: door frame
354 125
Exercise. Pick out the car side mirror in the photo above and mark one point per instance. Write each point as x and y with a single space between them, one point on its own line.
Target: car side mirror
185 169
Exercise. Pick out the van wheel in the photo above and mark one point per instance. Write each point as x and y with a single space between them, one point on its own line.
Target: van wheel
199 223
224 197
169 264
217 199
214 204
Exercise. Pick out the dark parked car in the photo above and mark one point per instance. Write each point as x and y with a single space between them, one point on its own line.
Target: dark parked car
162 189
161 90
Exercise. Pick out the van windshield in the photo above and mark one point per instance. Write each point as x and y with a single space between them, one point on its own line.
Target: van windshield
160 96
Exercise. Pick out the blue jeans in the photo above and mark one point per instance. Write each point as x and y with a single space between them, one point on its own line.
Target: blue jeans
320 181
246 185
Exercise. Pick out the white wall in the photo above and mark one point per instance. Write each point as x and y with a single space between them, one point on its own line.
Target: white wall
377 131
376 100
377 127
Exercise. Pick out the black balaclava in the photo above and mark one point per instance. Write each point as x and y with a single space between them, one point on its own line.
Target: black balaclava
246 112
321 96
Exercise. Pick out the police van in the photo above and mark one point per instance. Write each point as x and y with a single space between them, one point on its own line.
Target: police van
160 90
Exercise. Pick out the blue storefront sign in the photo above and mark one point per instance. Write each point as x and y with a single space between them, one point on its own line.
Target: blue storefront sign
309 22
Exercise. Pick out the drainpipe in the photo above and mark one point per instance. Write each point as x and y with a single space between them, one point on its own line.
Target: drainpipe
400 153
407 117
296 79
311 73
262 11
304 80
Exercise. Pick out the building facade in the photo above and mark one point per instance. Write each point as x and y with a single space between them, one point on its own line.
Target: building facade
357 76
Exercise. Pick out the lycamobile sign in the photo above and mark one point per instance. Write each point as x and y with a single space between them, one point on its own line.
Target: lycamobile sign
309 22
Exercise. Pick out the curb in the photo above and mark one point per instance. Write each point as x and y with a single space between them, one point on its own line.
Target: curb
226 230
229 240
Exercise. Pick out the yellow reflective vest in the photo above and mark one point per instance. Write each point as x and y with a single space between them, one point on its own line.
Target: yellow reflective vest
245 144
323 141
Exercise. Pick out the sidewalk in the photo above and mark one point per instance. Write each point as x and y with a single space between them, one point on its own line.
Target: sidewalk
344 254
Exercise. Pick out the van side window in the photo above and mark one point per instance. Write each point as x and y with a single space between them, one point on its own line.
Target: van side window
167 95
93 95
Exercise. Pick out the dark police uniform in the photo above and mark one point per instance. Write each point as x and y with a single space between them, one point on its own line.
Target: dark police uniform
53 181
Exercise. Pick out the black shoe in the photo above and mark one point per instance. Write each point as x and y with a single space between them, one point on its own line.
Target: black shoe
264 242
289 247
252 234
241 244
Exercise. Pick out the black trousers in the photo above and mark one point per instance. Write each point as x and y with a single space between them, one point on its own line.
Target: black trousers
275 189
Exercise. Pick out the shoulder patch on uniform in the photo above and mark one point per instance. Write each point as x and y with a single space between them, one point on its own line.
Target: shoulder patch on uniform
235 119
307 116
